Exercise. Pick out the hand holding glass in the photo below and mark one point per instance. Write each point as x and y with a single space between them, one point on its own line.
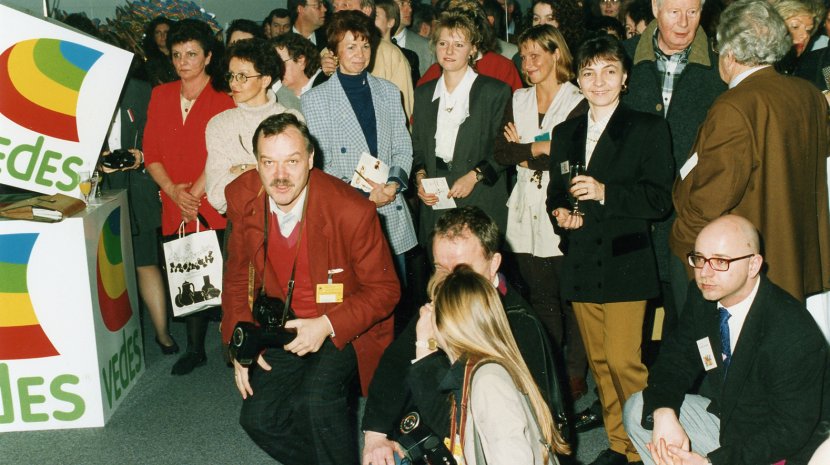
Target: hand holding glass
577 169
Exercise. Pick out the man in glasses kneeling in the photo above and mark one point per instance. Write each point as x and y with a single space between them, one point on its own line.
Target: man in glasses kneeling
762 357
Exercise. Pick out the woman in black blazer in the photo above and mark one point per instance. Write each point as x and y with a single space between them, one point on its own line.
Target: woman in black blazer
455 122
610 269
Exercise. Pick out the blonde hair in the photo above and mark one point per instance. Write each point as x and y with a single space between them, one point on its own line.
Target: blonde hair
471 323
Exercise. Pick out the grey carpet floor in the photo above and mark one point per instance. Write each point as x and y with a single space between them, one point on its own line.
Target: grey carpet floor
177 420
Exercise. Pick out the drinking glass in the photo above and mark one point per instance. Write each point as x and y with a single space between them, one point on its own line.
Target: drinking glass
85 184
577 169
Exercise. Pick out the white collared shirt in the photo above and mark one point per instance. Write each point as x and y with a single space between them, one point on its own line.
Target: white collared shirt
296 213
400 38
739 78
312 37
738 313
453 109
595 130
310 82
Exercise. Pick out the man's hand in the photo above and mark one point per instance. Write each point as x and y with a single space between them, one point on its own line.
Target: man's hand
667 432
378 450
311 333
240 376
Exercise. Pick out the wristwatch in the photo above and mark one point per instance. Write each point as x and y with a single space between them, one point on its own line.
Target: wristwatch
430 344
479 174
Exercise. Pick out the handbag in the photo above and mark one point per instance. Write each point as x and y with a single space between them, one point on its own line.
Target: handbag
194 260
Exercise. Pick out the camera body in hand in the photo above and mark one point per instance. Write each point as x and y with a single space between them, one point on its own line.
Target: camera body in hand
249 339
118 159
420 444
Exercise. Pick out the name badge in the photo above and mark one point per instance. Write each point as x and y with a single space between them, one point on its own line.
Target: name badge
543 137
565 167
329 293
707 356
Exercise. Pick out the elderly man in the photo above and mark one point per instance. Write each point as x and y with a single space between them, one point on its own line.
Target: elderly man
467 236
674 74
331 264
762 356
761 154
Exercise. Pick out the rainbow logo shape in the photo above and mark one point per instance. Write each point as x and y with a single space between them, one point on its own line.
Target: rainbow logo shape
21 336
40 81
112 284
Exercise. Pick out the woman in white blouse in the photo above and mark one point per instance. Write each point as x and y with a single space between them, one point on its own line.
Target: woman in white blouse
529 120
252 67
498 414
455 123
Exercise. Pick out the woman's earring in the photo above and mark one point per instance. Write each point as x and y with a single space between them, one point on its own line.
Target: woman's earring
624 88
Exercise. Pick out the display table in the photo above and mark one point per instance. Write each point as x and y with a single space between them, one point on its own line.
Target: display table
70 338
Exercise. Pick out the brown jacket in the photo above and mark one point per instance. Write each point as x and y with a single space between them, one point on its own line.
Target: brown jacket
762 154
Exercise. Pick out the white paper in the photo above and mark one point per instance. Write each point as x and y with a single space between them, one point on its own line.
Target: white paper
439 187
707 356
369 167
688 166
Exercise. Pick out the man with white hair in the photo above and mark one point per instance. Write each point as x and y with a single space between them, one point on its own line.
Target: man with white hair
761 153
762 358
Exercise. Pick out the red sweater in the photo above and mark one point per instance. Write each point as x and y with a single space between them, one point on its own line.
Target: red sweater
491 64
180 147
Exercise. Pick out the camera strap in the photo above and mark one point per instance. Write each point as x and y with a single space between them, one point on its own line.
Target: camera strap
290 292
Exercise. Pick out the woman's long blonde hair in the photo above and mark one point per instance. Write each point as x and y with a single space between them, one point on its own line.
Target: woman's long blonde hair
471 322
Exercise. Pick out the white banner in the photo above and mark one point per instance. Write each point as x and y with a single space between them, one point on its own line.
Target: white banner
58 92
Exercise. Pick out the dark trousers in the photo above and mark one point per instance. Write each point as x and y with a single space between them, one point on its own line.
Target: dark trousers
541 275
299 412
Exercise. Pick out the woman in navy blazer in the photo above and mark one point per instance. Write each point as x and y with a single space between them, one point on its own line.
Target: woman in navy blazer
610 269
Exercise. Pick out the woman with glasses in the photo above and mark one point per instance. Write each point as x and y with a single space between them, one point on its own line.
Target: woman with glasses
252 67
175 151
610 271
354 115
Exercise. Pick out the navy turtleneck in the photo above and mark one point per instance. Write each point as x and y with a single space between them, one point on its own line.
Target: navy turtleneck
360 97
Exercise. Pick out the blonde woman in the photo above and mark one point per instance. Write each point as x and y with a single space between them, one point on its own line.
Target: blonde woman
498 414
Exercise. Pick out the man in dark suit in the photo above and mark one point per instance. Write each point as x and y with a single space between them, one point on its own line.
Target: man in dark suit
288 229
465 235
307 19
762 356
761 153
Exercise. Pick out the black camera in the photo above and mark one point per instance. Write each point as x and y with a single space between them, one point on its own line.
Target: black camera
118 159
249 339
420 444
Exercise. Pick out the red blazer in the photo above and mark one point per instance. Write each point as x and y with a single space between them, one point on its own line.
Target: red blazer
491 64
181 148
343 231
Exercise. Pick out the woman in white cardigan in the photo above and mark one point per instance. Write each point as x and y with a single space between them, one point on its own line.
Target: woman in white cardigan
498 416
529 120
252 67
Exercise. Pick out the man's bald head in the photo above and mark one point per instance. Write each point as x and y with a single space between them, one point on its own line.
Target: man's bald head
736 228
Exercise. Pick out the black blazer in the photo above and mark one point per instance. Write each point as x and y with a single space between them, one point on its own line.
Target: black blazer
473 148
610 258
770 403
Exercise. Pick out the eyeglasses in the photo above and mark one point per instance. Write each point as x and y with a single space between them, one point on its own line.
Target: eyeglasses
716 263
609 1
316 6
240 78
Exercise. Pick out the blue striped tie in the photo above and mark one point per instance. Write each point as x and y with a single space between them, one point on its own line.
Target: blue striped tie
725 340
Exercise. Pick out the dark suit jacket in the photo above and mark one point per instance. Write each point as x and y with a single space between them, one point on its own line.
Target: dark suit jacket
770 403
341 234
610 258
473 148
400 384
761 159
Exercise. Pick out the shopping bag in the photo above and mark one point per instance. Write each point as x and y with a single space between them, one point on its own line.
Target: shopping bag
194 271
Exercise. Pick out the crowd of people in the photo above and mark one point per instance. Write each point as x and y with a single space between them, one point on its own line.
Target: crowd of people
466 208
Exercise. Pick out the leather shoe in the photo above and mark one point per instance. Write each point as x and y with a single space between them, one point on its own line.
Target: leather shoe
587 420
578 387
188 362
168 350
609 457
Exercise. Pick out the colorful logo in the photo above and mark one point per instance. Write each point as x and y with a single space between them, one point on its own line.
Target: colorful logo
40 81
112 284
21 336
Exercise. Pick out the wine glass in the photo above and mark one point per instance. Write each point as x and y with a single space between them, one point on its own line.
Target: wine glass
577 169
85 184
